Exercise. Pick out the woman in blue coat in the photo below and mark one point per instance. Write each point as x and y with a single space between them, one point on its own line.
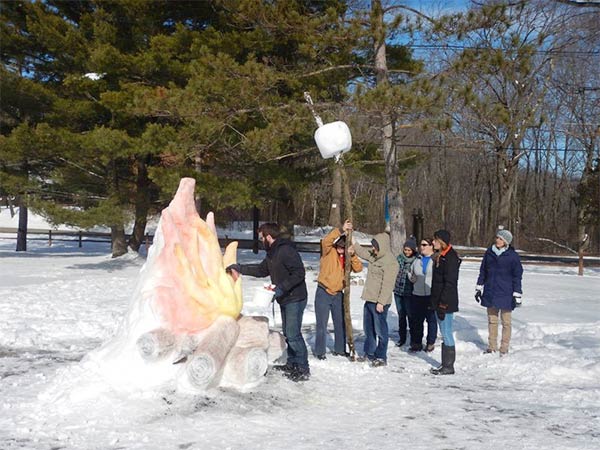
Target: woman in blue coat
499 288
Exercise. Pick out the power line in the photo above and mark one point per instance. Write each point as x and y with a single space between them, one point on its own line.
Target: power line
467 147
466 47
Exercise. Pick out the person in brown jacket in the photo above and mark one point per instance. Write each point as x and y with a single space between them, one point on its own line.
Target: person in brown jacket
328 297
377 294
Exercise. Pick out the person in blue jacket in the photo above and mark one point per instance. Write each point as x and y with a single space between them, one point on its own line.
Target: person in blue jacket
499 288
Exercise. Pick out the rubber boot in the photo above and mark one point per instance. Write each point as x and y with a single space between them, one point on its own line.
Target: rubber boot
435 370
448 358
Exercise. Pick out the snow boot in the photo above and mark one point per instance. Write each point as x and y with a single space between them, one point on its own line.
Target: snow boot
378 362
299 374
285 368
448 357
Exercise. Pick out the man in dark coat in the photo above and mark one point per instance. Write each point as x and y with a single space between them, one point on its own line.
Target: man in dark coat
499 288
286 269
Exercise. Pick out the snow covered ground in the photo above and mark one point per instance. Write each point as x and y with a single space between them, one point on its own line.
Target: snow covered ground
58 303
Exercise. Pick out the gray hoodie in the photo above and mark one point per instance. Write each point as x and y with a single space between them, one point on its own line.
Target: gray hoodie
382 271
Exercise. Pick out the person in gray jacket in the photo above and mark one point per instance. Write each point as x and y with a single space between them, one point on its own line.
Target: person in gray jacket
420 274
377 294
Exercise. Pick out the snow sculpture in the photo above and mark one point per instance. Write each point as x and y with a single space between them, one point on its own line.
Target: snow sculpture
184 325
333 139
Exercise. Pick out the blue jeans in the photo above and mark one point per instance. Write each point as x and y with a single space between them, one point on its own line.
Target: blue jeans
324 303
376 331
446 330
291 318
403 309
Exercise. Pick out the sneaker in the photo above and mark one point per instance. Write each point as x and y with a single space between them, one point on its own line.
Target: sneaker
344 354
488 351
321 357
378 362
503 353
401 343
415 348
430 348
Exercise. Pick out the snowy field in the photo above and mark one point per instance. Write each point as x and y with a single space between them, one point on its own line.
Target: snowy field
59 303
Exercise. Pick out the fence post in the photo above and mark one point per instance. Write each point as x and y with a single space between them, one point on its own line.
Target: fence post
49 238
80 240
255 220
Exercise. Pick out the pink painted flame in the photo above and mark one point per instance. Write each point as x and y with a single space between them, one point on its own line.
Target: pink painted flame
192 288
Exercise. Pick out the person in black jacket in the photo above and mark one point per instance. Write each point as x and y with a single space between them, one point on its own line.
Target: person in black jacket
444 296
286 269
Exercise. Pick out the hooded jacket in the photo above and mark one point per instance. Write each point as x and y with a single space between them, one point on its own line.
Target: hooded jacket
284 265
382 271
331 273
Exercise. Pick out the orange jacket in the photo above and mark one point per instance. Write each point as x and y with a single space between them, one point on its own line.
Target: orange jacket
331 274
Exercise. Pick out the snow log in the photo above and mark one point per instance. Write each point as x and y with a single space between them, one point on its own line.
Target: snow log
155 344
205 364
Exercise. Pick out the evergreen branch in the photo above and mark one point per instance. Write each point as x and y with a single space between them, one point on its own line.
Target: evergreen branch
288 155
89 172
412 10
351 66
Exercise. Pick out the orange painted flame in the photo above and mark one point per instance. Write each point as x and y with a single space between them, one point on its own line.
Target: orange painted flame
193 288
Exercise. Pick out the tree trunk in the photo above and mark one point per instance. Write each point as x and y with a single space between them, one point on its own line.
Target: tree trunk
22 228
118 241
335 214
142 205
505 190
390 155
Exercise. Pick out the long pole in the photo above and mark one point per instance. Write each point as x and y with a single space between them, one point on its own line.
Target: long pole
346 299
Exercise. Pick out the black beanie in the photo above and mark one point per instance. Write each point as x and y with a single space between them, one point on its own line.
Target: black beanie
442 235
411 243
375 244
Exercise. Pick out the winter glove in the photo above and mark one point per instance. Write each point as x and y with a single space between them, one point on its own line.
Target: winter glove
278 293
441 311
478 292
516 300
235 267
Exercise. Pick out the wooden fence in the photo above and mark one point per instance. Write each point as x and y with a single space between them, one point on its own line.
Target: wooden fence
82 237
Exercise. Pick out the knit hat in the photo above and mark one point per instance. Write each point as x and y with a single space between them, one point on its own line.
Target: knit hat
505 235
375 244
340 241
442 235
411 243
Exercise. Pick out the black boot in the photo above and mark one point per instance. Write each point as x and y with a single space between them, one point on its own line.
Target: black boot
285 368
448 358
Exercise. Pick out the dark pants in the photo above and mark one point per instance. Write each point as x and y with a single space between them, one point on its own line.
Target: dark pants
403 308
325 303
376 331
291 317
419 308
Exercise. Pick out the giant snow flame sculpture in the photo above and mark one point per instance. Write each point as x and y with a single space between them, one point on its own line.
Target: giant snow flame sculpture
192 289
184 327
